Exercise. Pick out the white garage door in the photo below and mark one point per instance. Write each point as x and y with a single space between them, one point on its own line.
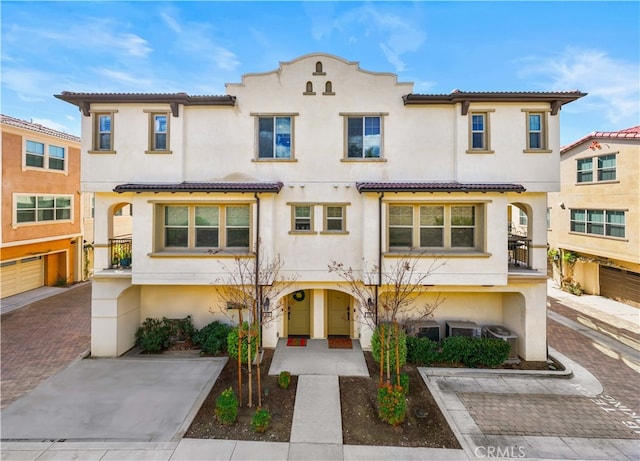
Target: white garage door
22 275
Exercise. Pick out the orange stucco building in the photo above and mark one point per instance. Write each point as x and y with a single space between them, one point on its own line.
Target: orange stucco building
41 218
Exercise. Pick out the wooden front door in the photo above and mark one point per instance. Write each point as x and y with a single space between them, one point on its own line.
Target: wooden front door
339 313
299 313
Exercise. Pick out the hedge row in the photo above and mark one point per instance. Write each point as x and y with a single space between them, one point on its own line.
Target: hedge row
470 352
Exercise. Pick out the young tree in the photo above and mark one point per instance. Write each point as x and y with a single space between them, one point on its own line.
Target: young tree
252 284
386 295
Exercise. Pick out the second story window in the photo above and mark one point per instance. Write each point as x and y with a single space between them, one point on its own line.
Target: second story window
585 170
608 223
334 218
302 216
275 137
103 132
42 208
607 168
364 137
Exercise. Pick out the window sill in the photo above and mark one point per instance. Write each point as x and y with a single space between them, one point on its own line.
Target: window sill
302 232
102 152
45 170
267 160
334 233
191 253
606 237
480 151
158 152
373 160
537 151
437 254
309 93
592 183
328 93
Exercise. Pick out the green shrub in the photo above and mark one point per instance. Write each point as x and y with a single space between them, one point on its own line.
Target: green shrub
153 335
402 345
422 351
473 352
284 379
392 405
260 420
232 343
227 407
180 329
213 338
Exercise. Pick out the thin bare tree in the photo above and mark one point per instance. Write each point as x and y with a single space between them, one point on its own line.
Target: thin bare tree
251 288
385 295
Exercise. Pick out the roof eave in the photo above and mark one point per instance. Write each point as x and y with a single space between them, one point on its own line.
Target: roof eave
205 188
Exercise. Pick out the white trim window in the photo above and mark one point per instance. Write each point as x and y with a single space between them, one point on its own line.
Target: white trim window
42 208
537 131
159 132
335 217
605 167
103 126
46 156
302 218
205 226
438 226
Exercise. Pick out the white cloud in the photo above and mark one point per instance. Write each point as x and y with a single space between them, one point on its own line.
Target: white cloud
29 85
393 30
612 84
123 77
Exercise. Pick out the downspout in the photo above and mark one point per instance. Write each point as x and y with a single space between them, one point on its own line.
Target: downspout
257 268
379 252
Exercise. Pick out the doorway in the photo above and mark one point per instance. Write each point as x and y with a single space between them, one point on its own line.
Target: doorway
338 313
299 314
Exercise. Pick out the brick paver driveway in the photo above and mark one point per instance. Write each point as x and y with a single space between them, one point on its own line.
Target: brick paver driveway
43 338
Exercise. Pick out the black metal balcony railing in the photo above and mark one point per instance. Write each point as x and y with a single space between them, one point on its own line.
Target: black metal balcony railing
120 252
519 254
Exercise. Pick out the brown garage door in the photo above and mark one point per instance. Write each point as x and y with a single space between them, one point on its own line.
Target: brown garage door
620 284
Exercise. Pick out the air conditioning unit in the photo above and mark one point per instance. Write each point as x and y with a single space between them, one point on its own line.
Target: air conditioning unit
500 332
424 329
471 329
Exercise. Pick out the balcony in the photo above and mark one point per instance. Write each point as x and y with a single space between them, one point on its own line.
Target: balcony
519 252
120 253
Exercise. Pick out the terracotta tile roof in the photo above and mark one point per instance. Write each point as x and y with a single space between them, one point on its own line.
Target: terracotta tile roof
628 133
84 100
437 187
201 187
556 99
37 128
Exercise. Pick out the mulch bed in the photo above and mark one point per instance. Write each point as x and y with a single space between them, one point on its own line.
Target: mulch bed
278 401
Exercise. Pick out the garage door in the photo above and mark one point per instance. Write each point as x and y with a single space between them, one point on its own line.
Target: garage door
620 284
22 275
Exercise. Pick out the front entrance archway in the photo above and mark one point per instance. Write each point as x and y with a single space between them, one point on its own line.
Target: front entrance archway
338 313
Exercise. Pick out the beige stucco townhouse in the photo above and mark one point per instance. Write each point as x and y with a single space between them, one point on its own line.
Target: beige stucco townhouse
316 161
594 220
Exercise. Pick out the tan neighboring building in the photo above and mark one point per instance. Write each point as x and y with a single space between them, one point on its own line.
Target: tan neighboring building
594 221
41 222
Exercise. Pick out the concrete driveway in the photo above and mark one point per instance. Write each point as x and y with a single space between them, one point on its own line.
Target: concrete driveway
132 399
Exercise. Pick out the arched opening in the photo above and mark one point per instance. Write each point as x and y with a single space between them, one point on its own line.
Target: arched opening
120 235
309 88
519 224
319 67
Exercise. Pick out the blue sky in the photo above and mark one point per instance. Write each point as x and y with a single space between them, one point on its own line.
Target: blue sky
197 47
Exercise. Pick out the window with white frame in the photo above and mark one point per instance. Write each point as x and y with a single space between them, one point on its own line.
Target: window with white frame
46 156
537 136
334 218
205 226
596 169
275 137
363 137
608 223
103 132
42 208
438 226
479 134
158 132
